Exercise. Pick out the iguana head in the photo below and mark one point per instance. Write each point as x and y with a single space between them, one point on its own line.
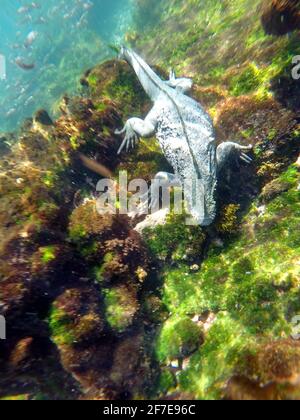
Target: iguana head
183 84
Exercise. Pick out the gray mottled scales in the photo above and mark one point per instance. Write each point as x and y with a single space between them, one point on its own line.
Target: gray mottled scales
186 135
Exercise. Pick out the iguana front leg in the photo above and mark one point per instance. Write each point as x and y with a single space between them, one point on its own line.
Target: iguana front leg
229 150
135 128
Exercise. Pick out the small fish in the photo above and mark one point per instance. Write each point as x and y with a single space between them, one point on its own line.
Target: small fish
22 10
35 5
25 66
40 21
88 5
28 8
29 100
11 112
31 37
95 166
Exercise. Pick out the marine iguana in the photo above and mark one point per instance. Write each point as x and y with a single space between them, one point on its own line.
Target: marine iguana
186 135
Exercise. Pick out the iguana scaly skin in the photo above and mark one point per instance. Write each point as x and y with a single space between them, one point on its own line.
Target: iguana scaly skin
186 135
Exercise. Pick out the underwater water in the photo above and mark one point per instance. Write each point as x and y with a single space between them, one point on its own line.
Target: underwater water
116 306
48 45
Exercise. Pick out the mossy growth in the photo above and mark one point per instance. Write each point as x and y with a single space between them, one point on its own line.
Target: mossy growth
226 347
245 58
146 14
60 325
154 309
120 307
65 332
228 219
20 397
98 271
115 81
175 240
75 318
166 382
145 162
90 250
86 223
179 337
75 142
251 285
88 328
48 254
247 81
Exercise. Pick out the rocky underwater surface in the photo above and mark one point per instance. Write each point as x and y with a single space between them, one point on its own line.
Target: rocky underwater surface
97 310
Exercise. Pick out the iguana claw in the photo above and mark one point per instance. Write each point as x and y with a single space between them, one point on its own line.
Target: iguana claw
118 132
131 138
246 158
243 156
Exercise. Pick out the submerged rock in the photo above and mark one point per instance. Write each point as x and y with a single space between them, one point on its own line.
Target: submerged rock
280 17
42 117
70 279
273 374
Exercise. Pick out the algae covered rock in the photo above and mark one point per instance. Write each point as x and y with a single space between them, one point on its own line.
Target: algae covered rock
59 257
115 252
272 374
75 317
178 339
252 288
280 17
42 117
113 80
121 307
174 240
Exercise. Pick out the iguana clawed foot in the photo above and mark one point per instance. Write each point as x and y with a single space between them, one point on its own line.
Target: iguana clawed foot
227 151
131 138
243 156
163 181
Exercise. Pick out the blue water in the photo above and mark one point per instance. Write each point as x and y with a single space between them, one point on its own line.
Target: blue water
69 36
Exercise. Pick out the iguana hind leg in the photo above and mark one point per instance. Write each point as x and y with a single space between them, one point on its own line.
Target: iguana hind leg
161 181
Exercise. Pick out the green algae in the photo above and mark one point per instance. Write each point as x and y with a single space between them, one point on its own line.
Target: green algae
165 382
116 82
251 285
175 240
246 82
119 308
178 338
60 325
98 271
224 349
209 34
21 397
48 254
